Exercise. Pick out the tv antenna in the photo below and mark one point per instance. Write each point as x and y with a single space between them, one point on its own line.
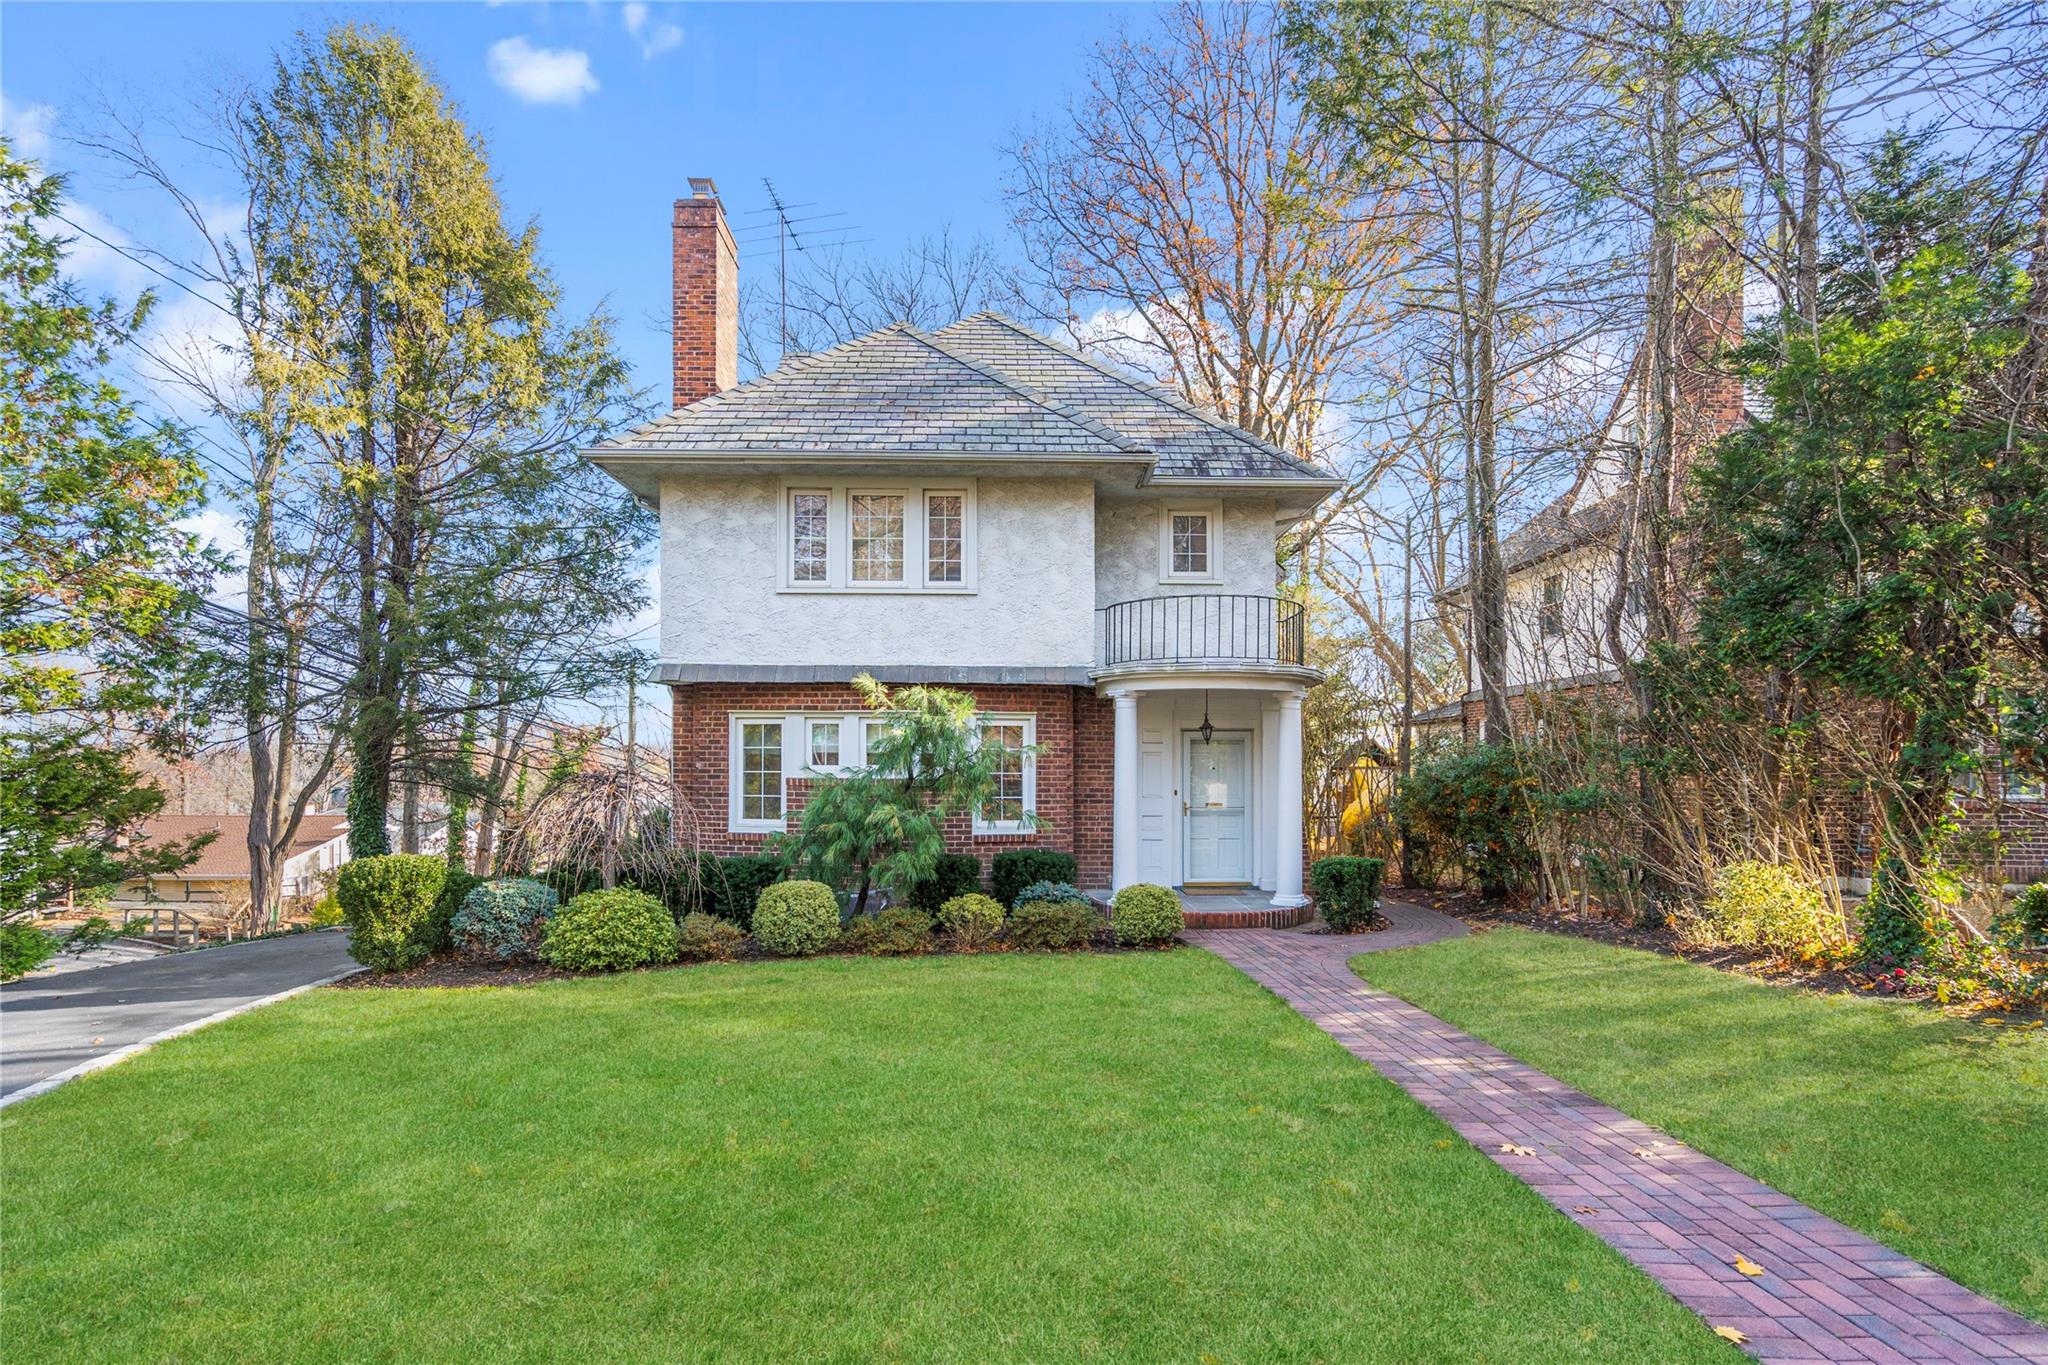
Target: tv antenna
780 218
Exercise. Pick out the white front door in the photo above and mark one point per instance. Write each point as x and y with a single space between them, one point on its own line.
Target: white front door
1218 794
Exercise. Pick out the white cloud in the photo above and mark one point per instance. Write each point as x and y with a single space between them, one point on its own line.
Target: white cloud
95 255
27 126
541 75
654 37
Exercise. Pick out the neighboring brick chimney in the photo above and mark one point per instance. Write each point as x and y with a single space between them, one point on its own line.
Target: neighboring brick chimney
707 296
1709 325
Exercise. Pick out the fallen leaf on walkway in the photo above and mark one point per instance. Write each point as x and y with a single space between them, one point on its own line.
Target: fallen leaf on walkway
1584 1208
1747 1266
1513 1150
1645 1153
1730 1334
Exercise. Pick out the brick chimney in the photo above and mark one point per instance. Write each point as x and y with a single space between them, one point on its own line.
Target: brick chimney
1709 325
707 296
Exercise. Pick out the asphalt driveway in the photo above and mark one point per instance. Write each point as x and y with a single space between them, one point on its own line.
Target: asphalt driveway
51 1024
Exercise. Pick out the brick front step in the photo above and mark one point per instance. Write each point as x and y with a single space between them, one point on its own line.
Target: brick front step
1271 918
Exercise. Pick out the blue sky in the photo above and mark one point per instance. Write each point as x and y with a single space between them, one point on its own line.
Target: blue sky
595 116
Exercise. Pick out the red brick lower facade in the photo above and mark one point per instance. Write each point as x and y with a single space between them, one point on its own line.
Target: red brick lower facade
1074 770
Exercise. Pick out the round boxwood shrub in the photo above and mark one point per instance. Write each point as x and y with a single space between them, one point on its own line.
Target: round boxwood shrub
1143 914
1057 926
896 932
388 901
1051 893
796 919
707 938
973 920
608 931
504 919
1347 891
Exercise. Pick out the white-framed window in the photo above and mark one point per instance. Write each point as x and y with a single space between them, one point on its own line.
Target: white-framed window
827 741
868 537
755 749
810 538
1189 536
1550 620
945 537
875 532
1015 799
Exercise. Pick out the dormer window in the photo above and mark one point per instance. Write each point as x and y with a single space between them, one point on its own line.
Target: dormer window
1187 543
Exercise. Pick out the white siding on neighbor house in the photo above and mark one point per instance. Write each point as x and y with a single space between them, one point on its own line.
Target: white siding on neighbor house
1127 539
723 600
1587 580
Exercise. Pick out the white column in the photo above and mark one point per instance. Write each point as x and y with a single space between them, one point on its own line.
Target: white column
1287 867
1123 859
1269 783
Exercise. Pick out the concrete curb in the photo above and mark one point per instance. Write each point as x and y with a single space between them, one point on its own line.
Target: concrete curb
122 1054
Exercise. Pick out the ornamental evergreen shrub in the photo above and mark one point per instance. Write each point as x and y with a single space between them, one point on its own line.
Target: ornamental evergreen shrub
1893 919
608 931
1766 905
733 885
454 891
1347 891
1145 914
23 948
1472 803
1050 892
896 932
796 919
973 920
505 919
956 874
707 938
389 901
1055 926
1016 868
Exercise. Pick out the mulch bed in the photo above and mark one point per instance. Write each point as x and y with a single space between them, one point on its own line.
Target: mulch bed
1484 913
1377 923
453 970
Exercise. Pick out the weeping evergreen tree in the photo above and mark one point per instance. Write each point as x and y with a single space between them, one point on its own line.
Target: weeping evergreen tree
883 823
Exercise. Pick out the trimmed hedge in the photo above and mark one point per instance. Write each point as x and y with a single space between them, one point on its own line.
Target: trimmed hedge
796 919
1347 890
504 919
1056 926
973 920
957 874
608 931
389 902
896 932
1146 914
733 885
1016 868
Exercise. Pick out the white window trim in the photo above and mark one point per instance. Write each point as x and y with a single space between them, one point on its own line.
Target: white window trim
1025 825
839 537
1214 512
735 822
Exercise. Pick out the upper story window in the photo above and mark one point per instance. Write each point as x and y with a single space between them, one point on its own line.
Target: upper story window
878 538
1550 621
1187 543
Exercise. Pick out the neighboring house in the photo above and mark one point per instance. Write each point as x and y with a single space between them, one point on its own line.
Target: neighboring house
1088 554
217 882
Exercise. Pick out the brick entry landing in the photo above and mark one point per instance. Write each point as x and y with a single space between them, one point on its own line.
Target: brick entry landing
1821 1292
1248 909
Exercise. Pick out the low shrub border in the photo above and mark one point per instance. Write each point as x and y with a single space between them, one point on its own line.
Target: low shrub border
1347 892
1145 915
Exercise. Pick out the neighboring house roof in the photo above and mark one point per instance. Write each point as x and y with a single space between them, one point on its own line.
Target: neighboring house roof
227 857
983 387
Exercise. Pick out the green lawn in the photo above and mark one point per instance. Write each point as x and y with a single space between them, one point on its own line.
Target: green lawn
1927 1132
1137 1157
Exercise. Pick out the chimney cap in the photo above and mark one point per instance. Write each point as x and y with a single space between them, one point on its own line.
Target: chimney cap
703 187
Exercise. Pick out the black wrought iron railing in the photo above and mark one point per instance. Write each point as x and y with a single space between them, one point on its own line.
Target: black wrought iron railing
1198 628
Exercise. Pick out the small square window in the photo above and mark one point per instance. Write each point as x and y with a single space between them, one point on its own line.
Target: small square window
825 745
1191 542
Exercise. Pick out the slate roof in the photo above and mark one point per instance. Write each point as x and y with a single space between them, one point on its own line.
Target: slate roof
984 387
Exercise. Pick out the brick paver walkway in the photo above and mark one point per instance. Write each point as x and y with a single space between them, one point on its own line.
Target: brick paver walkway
1825 1293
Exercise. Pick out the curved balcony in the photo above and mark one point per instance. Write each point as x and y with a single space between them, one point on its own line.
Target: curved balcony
1197 631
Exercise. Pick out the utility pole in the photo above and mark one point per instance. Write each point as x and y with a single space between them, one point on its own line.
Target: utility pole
1406 742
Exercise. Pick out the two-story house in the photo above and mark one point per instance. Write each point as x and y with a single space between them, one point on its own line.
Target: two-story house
1088 554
